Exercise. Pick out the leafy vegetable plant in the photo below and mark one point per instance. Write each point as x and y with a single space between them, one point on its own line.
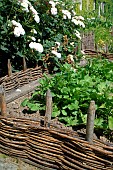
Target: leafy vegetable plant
73 89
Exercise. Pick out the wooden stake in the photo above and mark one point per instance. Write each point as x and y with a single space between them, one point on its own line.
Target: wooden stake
90 122
48 113
9 68
2 102
24 64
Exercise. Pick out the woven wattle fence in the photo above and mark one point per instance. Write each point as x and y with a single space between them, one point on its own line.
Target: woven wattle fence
53 147
19 79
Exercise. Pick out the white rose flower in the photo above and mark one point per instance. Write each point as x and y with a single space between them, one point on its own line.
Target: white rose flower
54 11
58 55
26 1
17 24
36 46
72 43
22 31
77 32
58 44
36 18
64 12
39 47
33 10
67 14
74 13
31 45
54 52
81 18
14 23
17 32
25 6
81 24
78 35
75 21
33 38
52 4
64 17
34 31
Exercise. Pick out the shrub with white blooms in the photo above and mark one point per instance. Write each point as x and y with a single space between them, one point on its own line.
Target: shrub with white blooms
18 29
36 46
25 22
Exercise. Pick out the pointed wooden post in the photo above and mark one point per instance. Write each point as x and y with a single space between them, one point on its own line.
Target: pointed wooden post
2 102
9 68
24 64
90 122
48 113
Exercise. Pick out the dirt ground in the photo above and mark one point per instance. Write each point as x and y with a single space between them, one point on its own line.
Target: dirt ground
9 163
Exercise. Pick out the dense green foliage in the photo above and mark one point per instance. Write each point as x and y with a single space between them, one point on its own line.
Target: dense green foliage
100 21
102 29
72 91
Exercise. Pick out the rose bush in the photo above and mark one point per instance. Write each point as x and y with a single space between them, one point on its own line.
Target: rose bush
46 32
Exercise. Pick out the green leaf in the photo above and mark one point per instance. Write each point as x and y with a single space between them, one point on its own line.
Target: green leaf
70 121
110 122
74 113
3 48
55 113
64 112
102 86
84 118
19 54
66 96
73 106
24 103
102 106
33 106
99 121
55 68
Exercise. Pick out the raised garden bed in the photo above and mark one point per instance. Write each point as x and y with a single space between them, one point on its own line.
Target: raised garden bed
48 144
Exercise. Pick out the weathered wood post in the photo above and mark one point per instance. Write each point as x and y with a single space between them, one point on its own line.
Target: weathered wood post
48 112
9 68
2 102
90 122
24 64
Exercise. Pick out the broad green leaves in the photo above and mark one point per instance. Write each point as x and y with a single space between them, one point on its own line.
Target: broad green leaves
32 106
73 91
